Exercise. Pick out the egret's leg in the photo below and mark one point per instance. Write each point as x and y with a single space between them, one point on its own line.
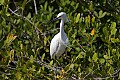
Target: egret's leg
57 62
55 67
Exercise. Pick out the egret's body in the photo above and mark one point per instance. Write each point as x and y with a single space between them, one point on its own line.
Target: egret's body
60 40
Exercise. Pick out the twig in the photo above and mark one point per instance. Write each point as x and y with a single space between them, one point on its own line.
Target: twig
116 72
7 67
23 17
28 1
37 31
44 64
16 10
5 73
104 78
2 38
35 7
13 12
51 31
101 78
82 48
81 3
91 72
30 23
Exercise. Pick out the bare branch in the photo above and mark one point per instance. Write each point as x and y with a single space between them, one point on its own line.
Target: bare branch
35 7
2 38
91 72
106 77
45 64
28 1
37 30
13 12
81 3
116 72
82 48
16 10
4 73
51 31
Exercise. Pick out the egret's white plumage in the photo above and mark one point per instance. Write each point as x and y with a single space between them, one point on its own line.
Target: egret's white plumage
60 40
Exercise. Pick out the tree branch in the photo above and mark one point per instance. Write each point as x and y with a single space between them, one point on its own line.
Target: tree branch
91 72
35 7
45 64
37 30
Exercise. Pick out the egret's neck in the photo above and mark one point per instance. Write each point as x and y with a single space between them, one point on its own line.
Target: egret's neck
62 33
62 26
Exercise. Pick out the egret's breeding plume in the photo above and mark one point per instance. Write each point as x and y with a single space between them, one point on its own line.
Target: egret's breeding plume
60 40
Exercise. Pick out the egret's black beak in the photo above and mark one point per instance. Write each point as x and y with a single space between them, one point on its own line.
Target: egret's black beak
55 19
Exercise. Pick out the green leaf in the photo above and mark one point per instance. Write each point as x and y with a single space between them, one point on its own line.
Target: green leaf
113 50
71 66
95 57
101 60
111 70
113 28
113 31
47 50
43 68
37 24
1 33
1 2
113 40
89 59
81 55
23 4
100 13
45 41
93 19
77 18
8 14
18 21
31 59
43 56
103 15
33 68
51 62
113 25
106 57
76 6
105 31
8 41
88 19
18 75
119 76
12 54
79 70
95 13
91 6
24 68
45 6
77 49
29 15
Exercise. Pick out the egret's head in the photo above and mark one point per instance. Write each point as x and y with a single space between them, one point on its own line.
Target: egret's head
62 16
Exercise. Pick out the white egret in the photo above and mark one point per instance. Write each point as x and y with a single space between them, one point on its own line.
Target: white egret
60 40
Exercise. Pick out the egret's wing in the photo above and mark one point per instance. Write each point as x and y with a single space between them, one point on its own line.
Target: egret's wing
67 41
54 45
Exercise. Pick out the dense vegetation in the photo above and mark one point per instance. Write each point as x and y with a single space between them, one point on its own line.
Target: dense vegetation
93 32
